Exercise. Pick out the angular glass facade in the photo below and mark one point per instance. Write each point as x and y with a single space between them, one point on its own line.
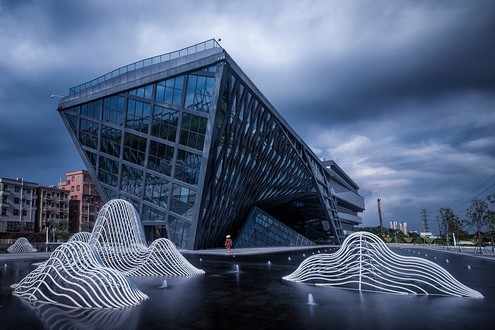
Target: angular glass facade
261 230
194 146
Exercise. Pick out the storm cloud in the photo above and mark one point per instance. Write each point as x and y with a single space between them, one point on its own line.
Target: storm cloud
401 94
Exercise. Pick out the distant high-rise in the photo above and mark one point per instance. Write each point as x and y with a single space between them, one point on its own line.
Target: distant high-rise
189 140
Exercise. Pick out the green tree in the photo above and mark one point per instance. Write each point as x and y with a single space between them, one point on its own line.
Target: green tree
449 223
62 229
479 216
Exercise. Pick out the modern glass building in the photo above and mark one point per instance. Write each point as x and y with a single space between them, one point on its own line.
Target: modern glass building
189 140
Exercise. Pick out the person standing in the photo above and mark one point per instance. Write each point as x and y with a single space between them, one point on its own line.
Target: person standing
228 243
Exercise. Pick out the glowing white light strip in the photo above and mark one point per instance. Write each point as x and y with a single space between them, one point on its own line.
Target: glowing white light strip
89 271
118 236
21 245
73 276
82 236
365 263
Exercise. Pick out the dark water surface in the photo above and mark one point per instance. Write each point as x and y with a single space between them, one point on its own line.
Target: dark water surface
256 297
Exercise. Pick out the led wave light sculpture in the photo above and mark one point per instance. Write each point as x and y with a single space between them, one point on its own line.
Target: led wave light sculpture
365 263
82 236
21 245
74 277
90 270
118 237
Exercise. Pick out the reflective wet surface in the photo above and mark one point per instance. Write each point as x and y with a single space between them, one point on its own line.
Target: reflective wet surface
247 292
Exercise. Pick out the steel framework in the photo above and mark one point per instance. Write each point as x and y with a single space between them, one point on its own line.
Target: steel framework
192 143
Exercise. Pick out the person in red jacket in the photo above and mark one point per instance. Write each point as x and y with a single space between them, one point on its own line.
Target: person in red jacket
228 243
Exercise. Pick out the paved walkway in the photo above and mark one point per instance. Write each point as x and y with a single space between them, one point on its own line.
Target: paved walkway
261 251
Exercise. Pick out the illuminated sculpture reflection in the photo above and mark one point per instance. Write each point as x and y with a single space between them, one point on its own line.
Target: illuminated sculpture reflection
365 263
21 245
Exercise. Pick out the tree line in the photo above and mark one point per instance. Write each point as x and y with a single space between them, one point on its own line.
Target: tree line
479 216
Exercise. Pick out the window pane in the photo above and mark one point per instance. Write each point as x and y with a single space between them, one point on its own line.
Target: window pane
199 93
132 180
160 158
110 140
164 124
134 148
114 109
187 167
138 116
193 130
182 200
157 190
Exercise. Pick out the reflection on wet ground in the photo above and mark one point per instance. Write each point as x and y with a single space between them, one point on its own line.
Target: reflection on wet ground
247 292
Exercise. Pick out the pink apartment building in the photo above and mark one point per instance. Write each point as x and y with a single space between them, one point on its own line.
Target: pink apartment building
84 200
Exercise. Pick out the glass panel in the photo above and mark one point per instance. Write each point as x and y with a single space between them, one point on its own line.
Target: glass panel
182 200
138 116
193 129
199 93
110 140
157 189
132 180
178 231
144 92
88 134
92 157
164 123
160 158
108 171
187 167
114 109
72 121
134 149
152 214
170 91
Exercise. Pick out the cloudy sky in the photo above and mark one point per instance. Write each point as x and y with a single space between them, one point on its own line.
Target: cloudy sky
401 94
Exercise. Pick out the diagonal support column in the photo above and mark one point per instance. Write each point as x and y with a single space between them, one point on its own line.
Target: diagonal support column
325 196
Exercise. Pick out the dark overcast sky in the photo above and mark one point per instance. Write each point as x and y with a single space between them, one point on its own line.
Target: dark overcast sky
401 94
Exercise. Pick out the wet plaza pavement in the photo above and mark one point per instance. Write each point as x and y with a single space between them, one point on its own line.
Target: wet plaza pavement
246 291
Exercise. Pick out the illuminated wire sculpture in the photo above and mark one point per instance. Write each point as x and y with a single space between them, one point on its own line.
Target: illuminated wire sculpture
89 270
82 236
21 245
118 237
74 277
365 263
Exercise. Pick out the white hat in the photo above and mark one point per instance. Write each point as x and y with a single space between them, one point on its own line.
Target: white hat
228 236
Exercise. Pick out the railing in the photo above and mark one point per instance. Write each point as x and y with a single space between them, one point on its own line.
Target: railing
212 43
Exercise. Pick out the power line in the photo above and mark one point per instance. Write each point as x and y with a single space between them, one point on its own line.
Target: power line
469 194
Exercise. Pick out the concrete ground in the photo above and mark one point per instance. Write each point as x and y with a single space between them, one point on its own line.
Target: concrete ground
245 290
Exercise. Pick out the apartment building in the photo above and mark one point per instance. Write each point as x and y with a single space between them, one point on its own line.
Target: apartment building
83 199
18 205
53 207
